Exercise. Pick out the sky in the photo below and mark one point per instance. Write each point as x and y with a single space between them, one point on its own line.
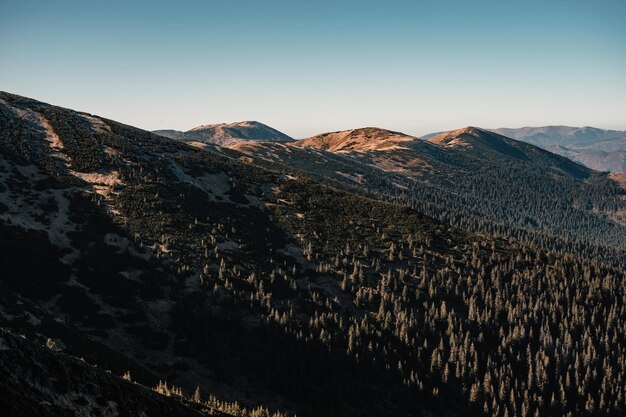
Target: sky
306 67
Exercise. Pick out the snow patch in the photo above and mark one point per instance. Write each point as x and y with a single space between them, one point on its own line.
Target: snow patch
215 185
102 181
25 209
96 123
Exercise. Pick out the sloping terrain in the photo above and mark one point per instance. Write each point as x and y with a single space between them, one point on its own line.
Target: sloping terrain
560 135
39 381
267 288
599 149
620 178
486 145
477 180
228 134
357 140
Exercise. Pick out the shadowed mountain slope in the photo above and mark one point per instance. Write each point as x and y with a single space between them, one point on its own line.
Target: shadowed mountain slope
183 264
266 287
40 381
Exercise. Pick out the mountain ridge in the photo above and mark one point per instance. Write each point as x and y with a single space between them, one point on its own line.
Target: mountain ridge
357 140
422 174
600 149
261 284
596 148
228 134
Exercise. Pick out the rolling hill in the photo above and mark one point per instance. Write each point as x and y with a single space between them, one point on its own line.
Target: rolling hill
228 134
483 144
470 178
599 149
357 140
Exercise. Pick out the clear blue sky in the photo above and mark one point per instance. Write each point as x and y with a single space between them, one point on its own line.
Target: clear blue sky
305 67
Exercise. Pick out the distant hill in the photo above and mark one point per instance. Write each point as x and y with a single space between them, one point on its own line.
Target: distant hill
357 140
228 134
484 144
470 177
600 149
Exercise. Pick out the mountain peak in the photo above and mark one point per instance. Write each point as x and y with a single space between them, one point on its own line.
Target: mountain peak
483 143
599 149
357 140
229 134
245 123
458 137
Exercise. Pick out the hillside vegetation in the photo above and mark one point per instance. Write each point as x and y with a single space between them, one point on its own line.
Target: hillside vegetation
473 179
269 288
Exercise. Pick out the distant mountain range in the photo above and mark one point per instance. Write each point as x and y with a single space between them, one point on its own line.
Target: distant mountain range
599 149
442 167
228 134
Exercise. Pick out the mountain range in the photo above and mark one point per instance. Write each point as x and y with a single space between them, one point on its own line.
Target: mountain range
363 272
602 150
598 149
471 178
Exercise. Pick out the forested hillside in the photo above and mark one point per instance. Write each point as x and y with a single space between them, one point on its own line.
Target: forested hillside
600 149
269 288
472 179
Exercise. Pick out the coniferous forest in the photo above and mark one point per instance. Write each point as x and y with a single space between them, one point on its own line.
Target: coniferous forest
141 273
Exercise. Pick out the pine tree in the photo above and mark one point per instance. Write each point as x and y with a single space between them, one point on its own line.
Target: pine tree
196 395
